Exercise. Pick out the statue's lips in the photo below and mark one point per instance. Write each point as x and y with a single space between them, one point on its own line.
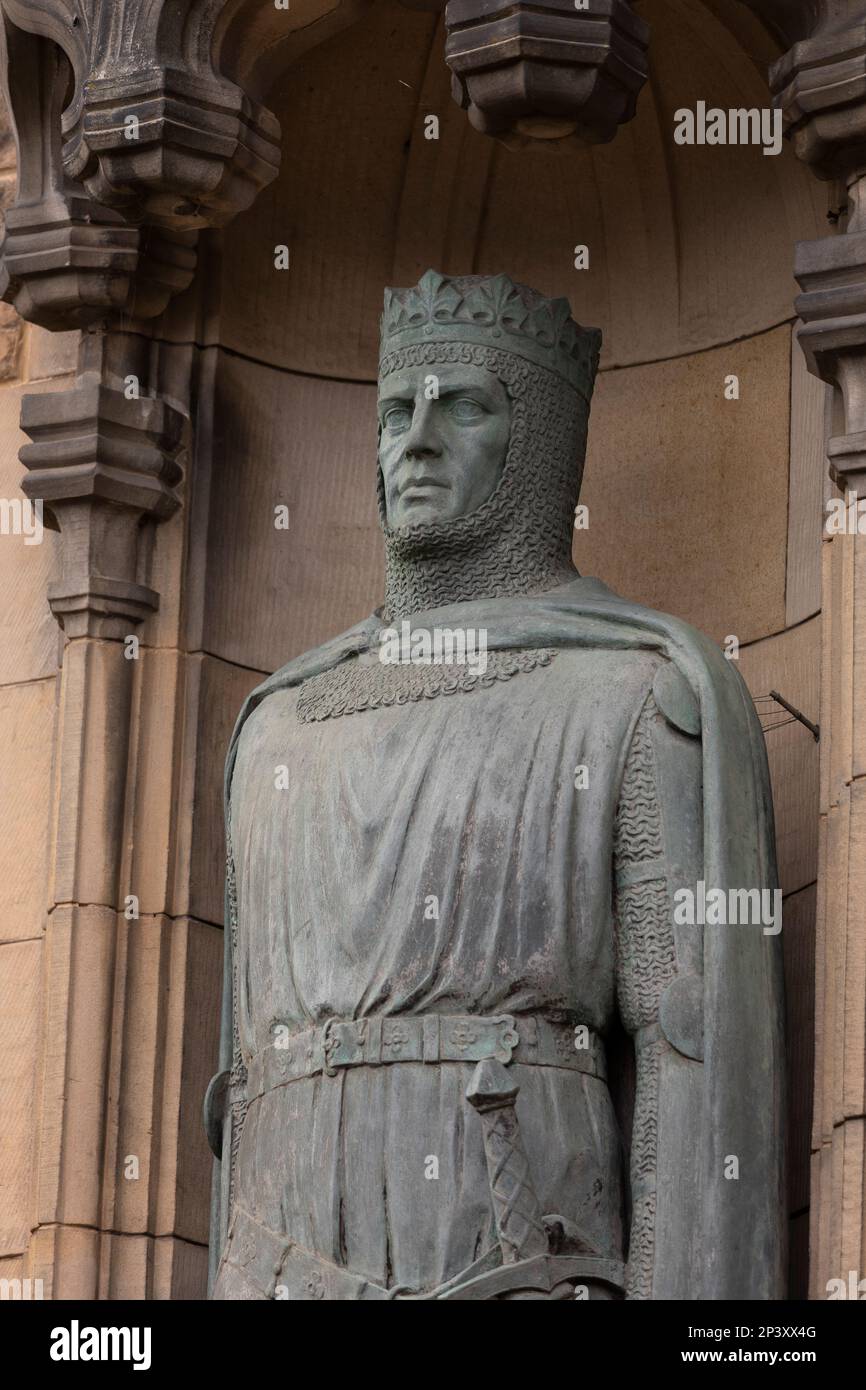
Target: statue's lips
419 487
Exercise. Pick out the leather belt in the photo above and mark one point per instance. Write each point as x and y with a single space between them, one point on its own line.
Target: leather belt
426 1038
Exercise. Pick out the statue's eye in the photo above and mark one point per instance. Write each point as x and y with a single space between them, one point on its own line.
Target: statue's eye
398 418
466 410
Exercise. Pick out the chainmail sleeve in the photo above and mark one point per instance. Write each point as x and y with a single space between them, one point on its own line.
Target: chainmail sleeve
646 956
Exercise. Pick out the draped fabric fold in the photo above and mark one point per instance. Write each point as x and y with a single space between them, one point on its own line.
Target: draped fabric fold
741 1109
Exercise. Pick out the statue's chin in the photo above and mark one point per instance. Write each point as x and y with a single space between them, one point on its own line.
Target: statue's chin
421 514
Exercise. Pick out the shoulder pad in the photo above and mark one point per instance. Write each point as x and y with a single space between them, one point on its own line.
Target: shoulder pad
676 699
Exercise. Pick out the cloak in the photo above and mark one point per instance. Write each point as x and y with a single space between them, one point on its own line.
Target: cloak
737 1109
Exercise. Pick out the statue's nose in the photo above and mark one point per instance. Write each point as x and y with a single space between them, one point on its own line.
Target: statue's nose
423 437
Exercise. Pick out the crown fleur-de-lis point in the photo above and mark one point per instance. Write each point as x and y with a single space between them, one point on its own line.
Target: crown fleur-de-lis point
490 300
560 315
423 300
429 285
447 304
514 314
479 307
540 326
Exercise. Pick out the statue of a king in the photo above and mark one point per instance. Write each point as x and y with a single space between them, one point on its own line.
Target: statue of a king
502 1018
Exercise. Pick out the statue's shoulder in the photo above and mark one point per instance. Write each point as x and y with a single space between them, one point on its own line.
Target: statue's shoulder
693 663
356 639
295 672
686 661
630 676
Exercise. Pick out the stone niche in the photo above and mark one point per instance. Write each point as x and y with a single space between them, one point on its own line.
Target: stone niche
706 507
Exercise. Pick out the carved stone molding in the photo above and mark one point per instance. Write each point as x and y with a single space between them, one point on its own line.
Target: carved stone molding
820 85
67 263
103 461
832 275
130 140
546 71
152 127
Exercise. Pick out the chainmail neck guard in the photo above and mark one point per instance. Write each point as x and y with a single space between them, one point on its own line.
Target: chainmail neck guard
519 540
358 685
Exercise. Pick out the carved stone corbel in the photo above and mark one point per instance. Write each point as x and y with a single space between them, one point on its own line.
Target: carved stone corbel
130 140
546 70
152 126
64 261
820 85
103 461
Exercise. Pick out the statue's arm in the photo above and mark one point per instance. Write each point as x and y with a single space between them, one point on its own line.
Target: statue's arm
657 849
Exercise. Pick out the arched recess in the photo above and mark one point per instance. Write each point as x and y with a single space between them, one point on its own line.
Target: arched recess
700 504
688 497
388 202
690 255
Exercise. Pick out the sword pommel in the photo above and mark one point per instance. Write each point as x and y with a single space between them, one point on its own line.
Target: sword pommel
491 1087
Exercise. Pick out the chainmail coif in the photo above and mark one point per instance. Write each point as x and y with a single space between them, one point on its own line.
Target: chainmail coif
519 540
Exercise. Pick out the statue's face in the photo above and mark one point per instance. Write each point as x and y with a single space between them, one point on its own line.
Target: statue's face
441 457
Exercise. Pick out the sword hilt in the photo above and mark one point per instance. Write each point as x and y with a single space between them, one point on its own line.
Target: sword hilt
516 1208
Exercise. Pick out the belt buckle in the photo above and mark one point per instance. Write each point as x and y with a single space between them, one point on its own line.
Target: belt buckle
507 1037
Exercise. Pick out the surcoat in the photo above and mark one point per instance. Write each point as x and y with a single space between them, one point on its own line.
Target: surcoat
508 851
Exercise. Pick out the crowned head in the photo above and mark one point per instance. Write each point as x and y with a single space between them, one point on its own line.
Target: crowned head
484 393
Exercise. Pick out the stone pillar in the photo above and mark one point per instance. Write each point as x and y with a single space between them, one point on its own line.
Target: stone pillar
820 85
105 465
113 187
133 139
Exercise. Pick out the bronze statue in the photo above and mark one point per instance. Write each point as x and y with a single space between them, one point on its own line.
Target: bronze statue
472 1047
